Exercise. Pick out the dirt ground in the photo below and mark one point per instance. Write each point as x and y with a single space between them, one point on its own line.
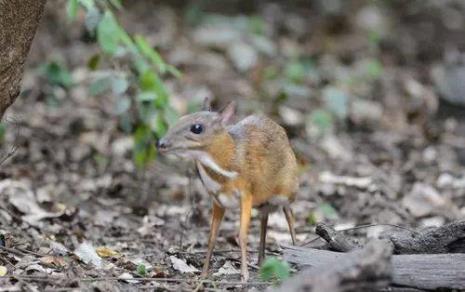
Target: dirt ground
396 155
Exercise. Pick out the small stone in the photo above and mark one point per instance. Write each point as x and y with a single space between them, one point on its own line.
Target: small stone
436 221
243 56
291 116
365 111
218 37
423 199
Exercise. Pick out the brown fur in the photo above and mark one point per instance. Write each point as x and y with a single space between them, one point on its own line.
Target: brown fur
258 149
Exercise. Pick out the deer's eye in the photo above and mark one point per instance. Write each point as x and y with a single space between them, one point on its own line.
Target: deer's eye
196 128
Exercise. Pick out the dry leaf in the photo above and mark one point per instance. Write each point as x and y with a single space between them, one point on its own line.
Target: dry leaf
182 266
227 269
128 278
3 271
106 252
53 261
87 254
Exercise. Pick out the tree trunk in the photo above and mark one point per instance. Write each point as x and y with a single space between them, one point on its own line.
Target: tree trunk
19 20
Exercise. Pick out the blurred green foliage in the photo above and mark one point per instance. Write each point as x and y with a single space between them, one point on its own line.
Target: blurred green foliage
2 132
142 100
57 74
274 270
141 270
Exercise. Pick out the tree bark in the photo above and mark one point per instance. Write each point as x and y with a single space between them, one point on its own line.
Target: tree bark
418 271
19 20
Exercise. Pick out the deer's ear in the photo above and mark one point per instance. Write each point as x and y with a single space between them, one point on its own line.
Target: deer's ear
227 114
206 105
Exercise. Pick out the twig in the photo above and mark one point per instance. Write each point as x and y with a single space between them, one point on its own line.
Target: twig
377 224
30 252
12 250
20 251
200 285
146 279
360 227
9 154
220 251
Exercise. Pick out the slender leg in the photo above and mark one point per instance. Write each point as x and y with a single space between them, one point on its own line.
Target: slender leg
290 221
246 208
263 227
217 216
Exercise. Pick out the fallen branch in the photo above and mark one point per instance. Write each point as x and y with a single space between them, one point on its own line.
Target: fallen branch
143 279
420 271
336 240
366 269
449 238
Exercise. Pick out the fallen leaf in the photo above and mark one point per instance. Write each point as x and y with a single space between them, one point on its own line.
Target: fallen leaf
128 278
3 271
424 200
227 269
22 198
106 252
58 248
53 262
358 182
86 253
182 266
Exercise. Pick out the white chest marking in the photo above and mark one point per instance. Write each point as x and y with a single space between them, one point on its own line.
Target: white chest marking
210 184
206 160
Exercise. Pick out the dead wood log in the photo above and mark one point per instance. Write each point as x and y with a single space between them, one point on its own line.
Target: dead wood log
336 240
419 271
449 238
366 269
19 20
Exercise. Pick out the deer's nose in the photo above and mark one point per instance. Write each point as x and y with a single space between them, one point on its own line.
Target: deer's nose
162 144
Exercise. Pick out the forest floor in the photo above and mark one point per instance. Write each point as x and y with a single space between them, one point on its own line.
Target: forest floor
75 214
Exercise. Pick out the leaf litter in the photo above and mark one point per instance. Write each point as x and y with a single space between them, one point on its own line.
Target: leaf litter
73 206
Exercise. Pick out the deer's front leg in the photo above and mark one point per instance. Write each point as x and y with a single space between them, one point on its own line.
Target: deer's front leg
246 208
217 217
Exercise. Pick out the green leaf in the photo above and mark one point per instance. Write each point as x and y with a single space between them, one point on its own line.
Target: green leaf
147 81
116 3
159 126
108 33
328 211
57 74
322 119
295 71
150 53
2 132
88 4
72 8
373 69
119 85
144 148
336 101
147 96
94 62
312 219
274 269
171 116
257 25
173 71
141 270
100 86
